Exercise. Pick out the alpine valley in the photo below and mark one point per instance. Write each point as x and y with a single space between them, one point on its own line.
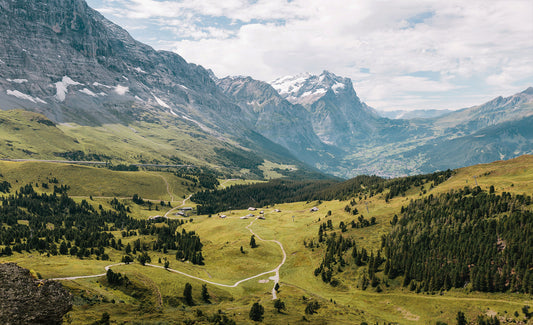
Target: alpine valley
101 88
156 192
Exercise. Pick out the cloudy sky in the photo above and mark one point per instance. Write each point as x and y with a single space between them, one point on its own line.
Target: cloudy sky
400 54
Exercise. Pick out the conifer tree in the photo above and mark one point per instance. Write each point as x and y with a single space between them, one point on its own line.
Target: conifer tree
252 242
205 294
256 312
187 294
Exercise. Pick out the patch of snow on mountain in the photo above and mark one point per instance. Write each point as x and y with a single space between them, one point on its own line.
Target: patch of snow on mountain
139 70
121 90
290 84
160 102
172 112
202 126
17 81
20 95
182 86
87 92
320 91
139 99
337 86
97 84
307 88
62 87
2 62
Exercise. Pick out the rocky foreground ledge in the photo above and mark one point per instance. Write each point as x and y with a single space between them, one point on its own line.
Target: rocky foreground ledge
27 300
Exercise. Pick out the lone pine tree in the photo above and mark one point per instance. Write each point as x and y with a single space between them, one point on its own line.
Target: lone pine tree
252 242
256 312
205 294
187 294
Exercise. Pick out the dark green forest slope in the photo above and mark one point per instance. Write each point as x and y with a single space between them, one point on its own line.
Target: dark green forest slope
464 237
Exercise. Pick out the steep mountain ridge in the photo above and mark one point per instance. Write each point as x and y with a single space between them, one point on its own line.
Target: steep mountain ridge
66 61
378 145
497 110
338 116
277 119
69 55
496 142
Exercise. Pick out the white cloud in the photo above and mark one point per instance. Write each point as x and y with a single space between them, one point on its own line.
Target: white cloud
476 48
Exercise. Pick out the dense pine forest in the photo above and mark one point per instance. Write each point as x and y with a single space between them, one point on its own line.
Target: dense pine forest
260 194
464 237
284 191
56 224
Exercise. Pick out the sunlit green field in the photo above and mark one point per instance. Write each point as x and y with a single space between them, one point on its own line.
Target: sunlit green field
160 292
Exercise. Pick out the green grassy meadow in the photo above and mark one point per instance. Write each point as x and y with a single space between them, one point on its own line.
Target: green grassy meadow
29 135
158 293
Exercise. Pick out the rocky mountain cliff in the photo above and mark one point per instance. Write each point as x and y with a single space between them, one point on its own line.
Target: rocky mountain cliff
492 131
374 144
65 60
338 116
498 110
278 120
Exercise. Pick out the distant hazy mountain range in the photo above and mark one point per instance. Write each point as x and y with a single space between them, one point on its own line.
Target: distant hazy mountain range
359 140
111 96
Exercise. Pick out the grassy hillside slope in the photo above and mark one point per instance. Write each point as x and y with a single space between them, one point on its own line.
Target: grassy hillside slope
159 295
90 181
28 135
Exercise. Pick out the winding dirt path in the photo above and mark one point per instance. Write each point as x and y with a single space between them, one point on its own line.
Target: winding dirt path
274 278
88 276
223 184
168 187
177 207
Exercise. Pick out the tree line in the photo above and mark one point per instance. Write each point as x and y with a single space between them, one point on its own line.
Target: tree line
285 191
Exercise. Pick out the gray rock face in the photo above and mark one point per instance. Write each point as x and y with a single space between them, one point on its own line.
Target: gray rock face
277 119
377 145
26 300
339 118
498 110
67 61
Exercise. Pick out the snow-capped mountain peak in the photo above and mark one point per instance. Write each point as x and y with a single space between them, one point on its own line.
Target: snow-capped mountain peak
307 88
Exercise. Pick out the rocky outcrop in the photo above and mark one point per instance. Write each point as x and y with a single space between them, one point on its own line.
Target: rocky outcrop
26 300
